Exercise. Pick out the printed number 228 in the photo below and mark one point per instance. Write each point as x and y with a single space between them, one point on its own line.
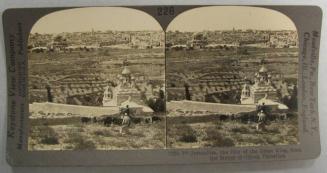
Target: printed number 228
165 11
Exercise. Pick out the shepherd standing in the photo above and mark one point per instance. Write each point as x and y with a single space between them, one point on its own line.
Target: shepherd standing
261 120
126 119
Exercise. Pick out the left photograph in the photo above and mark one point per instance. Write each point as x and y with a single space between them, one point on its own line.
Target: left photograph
96 80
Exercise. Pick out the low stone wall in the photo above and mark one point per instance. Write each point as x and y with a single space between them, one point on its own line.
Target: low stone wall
53 109
205 107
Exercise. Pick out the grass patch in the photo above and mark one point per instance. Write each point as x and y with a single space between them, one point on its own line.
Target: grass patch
102 132
273 130
273 140
241 129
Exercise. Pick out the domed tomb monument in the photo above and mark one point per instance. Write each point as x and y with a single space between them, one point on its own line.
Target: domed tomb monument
262 88
125 90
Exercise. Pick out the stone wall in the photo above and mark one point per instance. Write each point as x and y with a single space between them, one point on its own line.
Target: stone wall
209 107
75 110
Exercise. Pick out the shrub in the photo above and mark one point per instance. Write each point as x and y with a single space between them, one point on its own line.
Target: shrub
186 133
50 140
46 135
219 125
225 142
217 139
212 134
188 138
106 52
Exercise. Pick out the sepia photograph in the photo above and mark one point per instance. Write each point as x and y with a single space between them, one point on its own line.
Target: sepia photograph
220 76
146 85
96 80
231 78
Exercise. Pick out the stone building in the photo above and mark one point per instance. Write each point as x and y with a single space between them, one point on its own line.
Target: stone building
125 93
199 40
262 88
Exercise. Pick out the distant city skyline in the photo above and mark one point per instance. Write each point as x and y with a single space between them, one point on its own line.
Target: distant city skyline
214 18
91 30
236 29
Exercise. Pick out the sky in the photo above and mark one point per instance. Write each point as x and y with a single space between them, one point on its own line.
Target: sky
97 18
126 19
229 17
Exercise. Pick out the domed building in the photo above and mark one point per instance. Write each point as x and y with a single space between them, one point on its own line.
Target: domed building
125 93
262 88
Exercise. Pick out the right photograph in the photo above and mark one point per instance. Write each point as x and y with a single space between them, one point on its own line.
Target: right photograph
231 78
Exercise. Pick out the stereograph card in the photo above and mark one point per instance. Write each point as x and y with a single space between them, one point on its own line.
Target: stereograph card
137 85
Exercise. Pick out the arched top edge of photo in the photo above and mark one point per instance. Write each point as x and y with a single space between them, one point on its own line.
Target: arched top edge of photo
211 18
96 19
